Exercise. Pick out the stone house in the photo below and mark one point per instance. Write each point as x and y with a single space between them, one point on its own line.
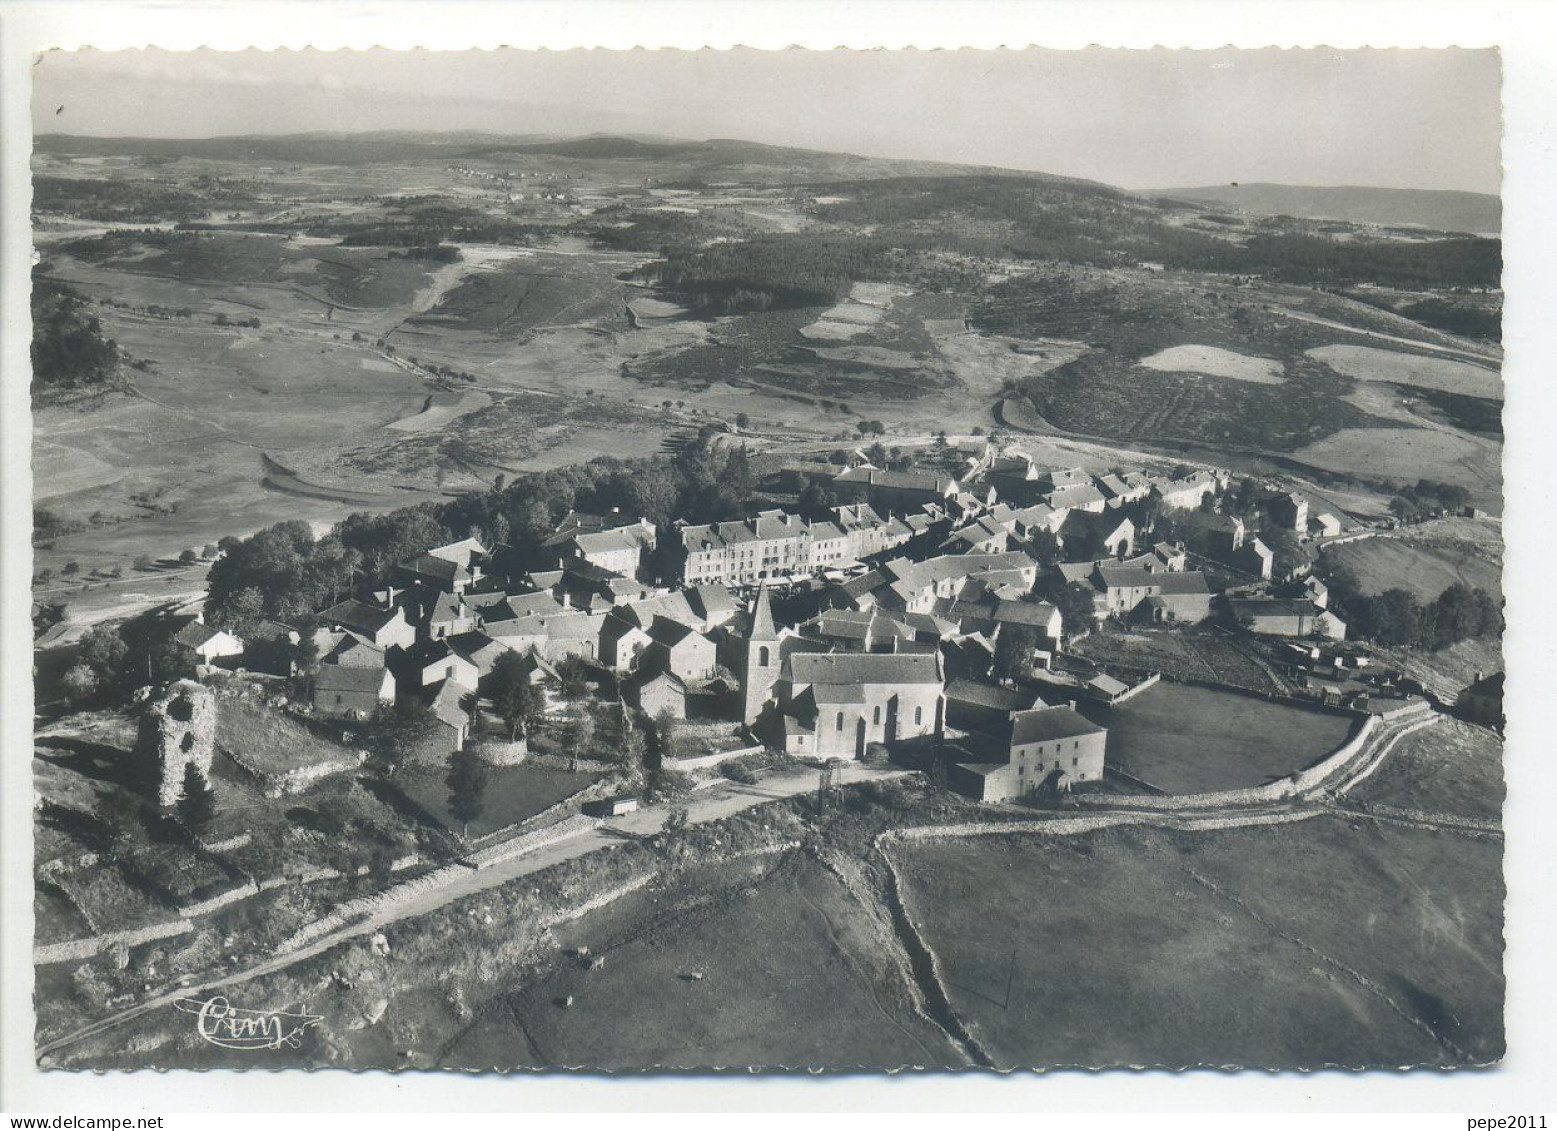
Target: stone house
352 692
1047 748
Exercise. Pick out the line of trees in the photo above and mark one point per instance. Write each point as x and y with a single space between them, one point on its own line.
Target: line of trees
1397 619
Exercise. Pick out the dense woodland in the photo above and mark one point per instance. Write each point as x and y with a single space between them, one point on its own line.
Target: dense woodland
285 573
137 201
68 348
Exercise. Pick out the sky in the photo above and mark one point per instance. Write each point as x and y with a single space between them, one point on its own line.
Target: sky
1137 119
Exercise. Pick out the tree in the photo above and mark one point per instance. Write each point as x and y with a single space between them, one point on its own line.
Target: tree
144 562
397 734
467 782
742 421
576 735
80 684
1393 618
1014 651
103 650
572 677
667 737
71 569
189 557
197 806
516 700
1077 606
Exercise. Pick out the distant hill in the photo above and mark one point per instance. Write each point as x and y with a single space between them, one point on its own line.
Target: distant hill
1437 209
713 160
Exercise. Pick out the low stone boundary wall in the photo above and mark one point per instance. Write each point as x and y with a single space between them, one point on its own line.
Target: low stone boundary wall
571 803
1279 790
77 950
581 765
367 905
705 761
1125 696
1379 755
206 906
1071 826
530 841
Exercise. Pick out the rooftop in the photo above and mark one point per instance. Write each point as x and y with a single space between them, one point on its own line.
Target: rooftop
1043 724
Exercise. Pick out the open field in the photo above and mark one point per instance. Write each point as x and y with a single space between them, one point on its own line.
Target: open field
1425 565
1214 362
1180 655
1452 768
828 997
1185 739
1408 454
510 794
1324 942
1367 363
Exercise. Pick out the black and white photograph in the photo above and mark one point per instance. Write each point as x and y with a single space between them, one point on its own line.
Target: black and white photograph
797 561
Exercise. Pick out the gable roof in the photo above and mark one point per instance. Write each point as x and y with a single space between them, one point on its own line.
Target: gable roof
1044 724
859 668
359 616
334 677
196 634
434 568
447 704
987 695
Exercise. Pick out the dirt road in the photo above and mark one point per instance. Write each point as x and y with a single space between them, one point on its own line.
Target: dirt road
712 804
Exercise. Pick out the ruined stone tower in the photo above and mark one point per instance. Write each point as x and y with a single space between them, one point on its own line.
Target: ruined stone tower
177 729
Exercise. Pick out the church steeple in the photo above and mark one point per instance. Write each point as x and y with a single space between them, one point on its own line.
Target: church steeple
762 659
762 617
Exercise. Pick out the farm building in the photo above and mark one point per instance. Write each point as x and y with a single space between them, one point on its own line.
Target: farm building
1482 701
433 661
621 641
1187 493
353 651
1285 617
654 693
894 492
1048 748
1079 497
1105 535
207 645
435 573
382 627
349 691
451 720
971 705
449 616
680 650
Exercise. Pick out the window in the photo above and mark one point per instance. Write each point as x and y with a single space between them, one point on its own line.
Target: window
839 725
875 717
1075 762
762 656
918 715
449 672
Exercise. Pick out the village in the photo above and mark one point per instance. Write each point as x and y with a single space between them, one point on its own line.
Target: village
1017 635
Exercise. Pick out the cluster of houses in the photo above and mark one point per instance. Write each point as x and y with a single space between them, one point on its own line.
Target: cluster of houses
893 608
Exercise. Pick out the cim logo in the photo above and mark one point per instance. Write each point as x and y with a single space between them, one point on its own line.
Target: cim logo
229 1027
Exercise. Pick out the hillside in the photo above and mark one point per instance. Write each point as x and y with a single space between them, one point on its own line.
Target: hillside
714 159
1438 210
